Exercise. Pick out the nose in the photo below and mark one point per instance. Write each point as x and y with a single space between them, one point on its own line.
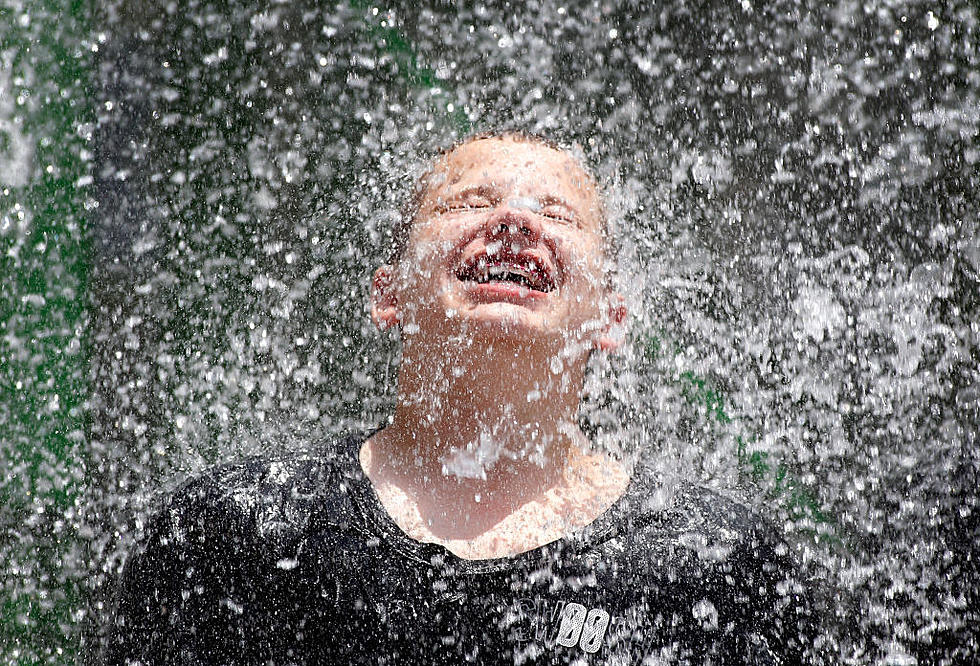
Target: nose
512 222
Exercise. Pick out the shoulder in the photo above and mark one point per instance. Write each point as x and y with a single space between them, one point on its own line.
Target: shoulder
751 569
698 529
724 519
244 515
723 539
271 494
227 551
699 519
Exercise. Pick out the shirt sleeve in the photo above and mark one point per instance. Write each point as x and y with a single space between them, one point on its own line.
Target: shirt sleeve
782 614
190 594
763 600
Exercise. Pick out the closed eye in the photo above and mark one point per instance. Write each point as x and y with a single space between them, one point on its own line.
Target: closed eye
461 206
557 213
469 201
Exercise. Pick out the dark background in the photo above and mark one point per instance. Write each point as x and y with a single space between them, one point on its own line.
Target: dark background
795 186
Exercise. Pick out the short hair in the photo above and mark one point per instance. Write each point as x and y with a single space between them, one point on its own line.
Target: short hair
410 208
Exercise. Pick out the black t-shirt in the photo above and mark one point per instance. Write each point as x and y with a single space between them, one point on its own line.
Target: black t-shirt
293 560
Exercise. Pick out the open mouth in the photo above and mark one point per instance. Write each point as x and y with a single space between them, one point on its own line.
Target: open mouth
523 271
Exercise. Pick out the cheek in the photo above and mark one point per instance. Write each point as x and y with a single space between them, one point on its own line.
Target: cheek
425 258
585 268
437 242
426 272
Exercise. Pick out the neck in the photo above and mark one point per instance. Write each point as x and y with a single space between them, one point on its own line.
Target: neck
483 417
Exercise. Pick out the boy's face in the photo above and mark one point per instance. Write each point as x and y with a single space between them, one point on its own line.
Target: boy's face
507 242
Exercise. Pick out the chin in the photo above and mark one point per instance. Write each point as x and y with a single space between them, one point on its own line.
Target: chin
506 322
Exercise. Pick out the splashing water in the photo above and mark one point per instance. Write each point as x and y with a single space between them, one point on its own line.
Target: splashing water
192 201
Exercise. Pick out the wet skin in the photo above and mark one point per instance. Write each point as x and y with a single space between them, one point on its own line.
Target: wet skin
500 296
505 205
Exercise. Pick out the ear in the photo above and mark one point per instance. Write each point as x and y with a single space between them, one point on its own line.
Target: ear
384 298
608 339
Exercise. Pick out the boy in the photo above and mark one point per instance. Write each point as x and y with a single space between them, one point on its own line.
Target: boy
479 525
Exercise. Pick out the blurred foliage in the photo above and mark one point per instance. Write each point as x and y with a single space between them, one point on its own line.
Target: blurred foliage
45 123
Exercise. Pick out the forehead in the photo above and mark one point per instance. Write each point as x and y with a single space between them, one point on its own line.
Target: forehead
523 168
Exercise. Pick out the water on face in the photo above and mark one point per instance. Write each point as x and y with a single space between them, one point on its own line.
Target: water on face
192 201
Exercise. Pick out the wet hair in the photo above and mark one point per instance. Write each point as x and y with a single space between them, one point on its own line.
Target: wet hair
410 209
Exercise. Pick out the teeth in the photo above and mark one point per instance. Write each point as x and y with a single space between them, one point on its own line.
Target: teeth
504 271
528 274
512 274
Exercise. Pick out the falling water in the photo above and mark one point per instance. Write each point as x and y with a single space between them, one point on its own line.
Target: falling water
193 196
